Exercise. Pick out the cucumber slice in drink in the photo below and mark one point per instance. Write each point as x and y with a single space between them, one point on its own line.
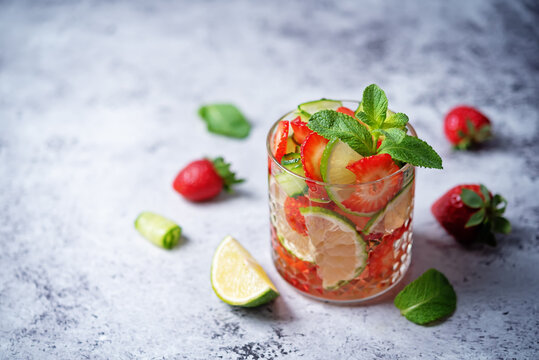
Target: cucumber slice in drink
395 213
339 250
291 158
311 107
292 185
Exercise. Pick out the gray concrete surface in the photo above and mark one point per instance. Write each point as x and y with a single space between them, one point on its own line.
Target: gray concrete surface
98 112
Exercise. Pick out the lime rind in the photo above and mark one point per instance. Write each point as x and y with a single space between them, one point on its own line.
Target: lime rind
266 293
311 107
289 247
361 247
379 215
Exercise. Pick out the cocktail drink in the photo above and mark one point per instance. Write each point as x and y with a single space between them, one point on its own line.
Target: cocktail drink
341 197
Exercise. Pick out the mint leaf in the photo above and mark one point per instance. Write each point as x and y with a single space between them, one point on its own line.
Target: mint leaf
225 119
398 120
428 298
374 105
365 119
412 150
393 134
471 199
335 125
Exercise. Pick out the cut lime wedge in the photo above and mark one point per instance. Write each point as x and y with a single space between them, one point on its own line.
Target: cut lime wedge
339 250
237 278
311 107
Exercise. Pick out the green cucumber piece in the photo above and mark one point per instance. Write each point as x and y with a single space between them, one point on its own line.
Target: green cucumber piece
311 107
292 185
158 230
291 158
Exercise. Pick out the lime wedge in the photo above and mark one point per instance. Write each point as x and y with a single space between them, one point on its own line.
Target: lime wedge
311 107
339 250
237 278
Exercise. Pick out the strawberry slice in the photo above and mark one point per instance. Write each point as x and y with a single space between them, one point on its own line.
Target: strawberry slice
293 216
371 198
279 140
346 111
311 155
301 130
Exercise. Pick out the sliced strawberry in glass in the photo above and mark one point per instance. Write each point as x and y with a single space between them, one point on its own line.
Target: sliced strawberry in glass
370 198
280 140
301 130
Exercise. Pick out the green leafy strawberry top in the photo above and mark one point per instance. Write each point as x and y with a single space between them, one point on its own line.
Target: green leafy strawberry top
375 122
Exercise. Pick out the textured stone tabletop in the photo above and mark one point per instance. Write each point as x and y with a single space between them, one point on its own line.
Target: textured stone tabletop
98 113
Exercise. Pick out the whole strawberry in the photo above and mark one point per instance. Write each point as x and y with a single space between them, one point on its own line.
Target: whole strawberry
204 179
465 126
471 214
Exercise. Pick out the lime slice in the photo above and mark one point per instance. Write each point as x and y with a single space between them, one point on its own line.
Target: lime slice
237 278
336 157
311 107
395 213
295 243
339 250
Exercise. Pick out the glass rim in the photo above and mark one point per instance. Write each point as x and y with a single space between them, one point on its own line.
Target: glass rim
322 183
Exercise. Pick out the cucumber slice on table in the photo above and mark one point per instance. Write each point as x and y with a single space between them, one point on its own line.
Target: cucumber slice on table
292 185
159 230
311 107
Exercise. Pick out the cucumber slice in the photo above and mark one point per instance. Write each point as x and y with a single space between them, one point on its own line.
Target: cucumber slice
158 229
292 185
291 158
311 107
395 213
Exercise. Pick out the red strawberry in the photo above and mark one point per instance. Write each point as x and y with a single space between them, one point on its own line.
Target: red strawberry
204 179
301 130
464 126
368 199
280 140
346 111
471 214
293 216
311 155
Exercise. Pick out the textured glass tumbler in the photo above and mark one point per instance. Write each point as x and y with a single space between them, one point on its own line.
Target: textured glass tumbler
329 253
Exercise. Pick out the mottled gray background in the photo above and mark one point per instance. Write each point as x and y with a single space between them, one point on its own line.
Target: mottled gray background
98 113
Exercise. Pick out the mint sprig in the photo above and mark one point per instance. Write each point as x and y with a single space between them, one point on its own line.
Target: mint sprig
225 119
428 298
375 121
335 125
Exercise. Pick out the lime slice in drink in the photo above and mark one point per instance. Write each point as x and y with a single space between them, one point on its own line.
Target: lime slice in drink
311 107
295 243
339 250
337 156
237 278
395 213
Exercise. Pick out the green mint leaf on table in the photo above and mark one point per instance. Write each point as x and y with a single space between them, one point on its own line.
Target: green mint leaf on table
471 199
225 119
335 125
374 104
411 150
229 177
428 298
